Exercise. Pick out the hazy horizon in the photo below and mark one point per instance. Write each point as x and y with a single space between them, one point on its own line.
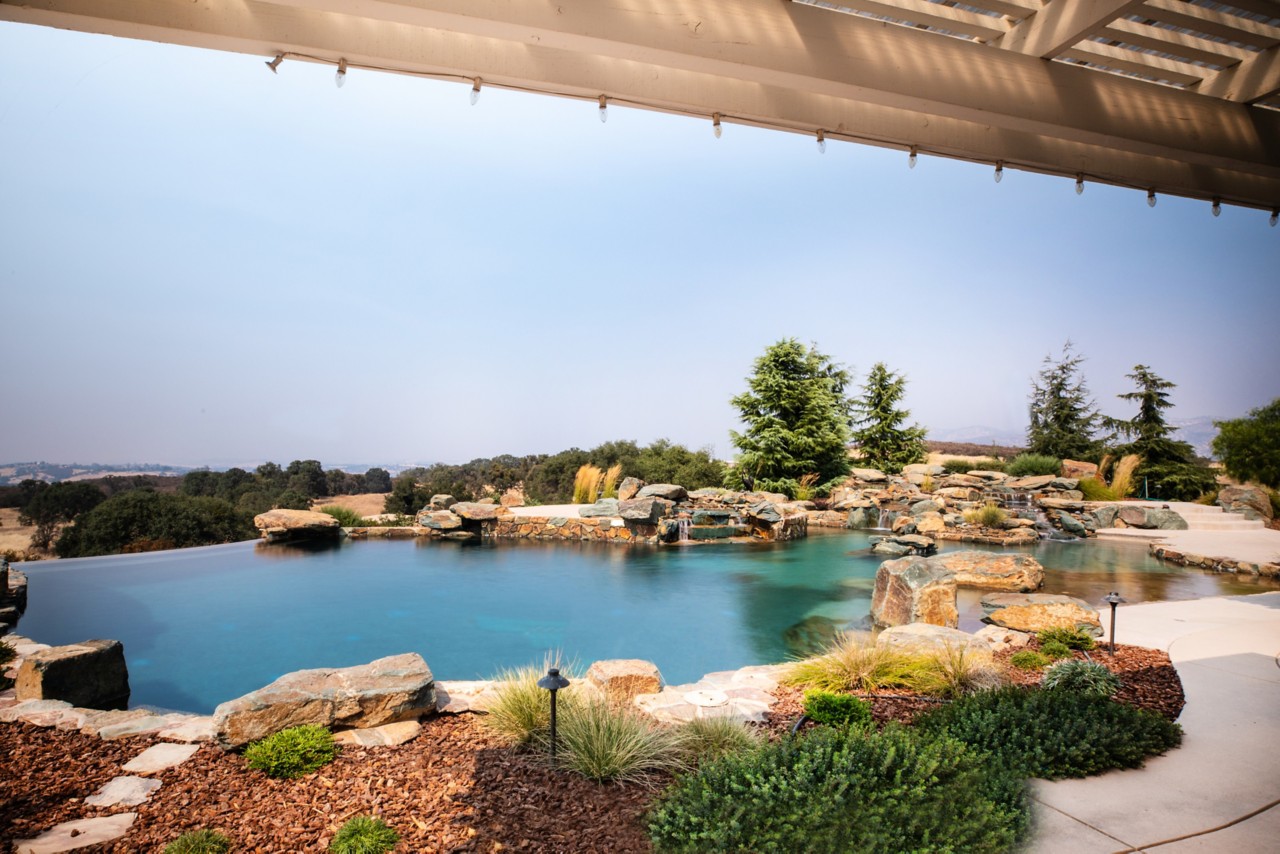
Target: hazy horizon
202 261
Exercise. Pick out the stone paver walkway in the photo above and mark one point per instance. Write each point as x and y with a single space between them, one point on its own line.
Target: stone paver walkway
742 695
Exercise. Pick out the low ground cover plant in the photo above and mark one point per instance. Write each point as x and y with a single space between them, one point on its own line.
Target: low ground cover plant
346 517
364 835
1053 734
844 790
1026 465
1082 677
838 710
199 842
292 752
1071 638
1055 650
1028 659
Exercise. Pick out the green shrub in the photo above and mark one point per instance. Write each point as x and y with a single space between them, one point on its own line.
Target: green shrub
1028 659
1082 677
987 516
520 709
199 842
835 790
703 739
601 741
1071 638
292 752
837 709
1026 465
346 517
1096 490
1053 734
989 464
364 835
1055 650
958 466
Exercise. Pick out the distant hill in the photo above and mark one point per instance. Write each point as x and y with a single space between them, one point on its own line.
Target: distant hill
14 473
978 434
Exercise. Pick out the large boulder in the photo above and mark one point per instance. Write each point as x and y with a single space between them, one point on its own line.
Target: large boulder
644 509
765 511
912 590
439 520
1033 482
669 491
1071 524
1079 470
861 518
1133 516
602 507
992 570
442 501
927 505
930 523
1165 520
1105 516
1241 499
923 636
398 688
629 488
475 511
277 525
923 469
91 675
869 475
621 680
1036 612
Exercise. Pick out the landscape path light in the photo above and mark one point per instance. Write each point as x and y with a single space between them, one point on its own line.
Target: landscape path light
1113 599
553 682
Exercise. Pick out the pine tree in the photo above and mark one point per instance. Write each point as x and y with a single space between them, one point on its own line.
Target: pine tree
797 421
1063 418
1169 465
884 442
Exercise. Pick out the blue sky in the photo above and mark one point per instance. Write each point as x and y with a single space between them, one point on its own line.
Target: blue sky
201 262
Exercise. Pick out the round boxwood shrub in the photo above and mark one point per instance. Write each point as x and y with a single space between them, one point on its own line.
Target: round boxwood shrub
199 842
1054 734
1082 677
1072 638
1028 659
836 709
1055 650
835 790
364 835
292 752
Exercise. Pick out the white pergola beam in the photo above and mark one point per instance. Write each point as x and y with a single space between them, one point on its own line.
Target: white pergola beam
760 62
1062 23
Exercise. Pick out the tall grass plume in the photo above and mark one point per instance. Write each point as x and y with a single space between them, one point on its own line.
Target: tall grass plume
586 484
609 488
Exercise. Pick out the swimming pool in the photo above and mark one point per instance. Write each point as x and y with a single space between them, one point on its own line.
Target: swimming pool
201 626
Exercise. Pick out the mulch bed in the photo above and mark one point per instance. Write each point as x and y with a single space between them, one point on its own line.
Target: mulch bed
453 788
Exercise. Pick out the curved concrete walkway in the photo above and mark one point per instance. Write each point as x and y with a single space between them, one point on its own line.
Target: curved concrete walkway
1219 792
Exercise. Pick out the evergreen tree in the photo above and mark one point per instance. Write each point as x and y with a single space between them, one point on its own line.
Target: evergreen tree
1169 465
797 421
881 437
1063 418
1249 448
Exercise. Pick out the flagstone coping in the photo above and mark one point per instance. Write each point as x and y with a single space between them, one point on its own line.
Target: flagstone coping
80 833
741 695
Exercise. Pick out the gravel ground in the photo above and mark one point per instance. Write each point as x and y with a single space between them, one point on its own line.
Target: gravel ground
454 788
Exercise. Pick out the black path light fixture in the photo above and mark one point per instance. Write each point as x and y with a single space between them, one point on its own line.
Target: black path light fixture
553 682
1113 599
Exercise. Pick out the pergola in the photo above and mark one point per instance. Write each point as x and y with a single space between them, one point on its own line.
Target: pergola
1165 96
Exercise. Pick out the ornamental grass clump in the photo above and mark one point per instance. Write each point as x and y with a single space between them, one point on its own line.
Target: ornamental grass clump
586 484
954 670
520 709
846 789
602 741
199 842
1095 490
1081 677
364 835
705 739
609 486
854 663
1053 734
292 752
1071 638
987 516
840 710
1122 484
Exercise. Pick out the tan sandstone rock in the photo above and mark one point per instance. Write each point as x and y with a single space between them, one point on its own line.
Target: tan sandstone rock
911 590
992 570
620 680
389 690
295 524
922 636
1036 612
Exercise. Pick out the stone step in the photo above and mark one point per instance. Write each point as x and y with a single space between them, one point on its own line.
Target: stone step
81 833
160 757
1226 525
123 791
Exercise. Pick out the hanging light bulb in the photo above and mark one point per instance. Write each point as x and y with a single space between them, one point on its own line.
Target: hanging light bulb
475 91
604 109
822 142
1217 207
999 171
715 125
1151 198
1275 216
1079 183
341 76
911 159
273 64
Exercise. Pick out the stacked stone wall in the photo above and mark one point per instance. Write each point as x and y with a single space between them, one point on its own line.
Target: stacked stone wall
566 528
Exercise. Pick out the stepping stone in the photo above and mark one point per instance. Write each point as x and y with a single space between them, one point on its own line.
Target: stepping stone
387 735
123 791
81 833
159 757
26 708
147 725
192 729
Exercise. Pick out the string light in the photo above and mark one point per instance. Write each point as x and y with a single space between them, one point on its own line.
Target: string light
1217 207
475 91
822 142
273 64
1275 216
1151 198
604 109
911 160
1079 183
999 171
341 76
715 125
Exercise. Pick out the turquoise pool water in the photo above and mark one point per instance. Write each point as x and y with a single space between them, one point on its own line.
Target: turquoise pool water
200 626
